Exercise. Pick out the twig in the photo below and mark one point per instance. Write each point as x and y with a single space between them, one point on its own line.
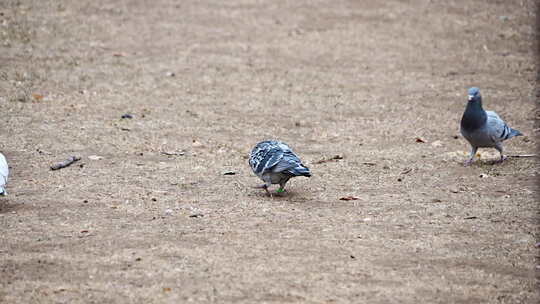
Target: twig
406 171
65 163
523 155
176 153
336 157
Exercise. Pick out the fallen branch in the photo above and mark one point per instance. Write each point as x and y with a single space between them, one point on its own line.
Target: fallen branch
523 155
65 163
336 157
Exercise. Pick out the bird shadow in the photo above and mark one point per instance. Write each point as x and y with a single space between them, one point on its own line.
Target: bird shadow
288 195
491 162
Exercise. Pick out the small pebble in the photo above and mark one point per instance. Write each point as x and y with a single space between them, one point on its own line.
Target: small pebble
127 116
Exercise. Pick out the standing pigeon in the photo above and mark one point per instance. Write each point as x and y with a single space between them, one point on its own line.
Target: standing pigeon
275 163
4 172
483 129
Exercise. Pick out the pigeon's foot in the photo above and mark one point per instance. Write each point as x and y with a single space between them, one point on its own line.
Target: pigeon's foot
280 192
501 160
468 162
265 187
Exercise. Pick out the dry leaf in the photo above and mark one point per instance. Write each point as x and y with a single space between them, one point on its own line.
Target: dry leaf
37 97
349 198
420 140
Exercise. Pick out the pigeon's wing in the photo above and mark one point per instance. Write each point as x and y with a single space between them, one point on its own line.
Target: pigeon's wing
4 171
292 165
498 129
288 161
264 156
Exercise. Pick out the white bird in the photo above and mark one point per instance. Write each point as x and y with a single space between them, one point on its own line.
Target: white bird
4 172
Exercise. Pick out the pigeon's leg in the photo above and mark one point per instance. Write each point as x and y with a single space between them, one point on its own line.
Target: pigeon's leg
265 187
282 183
469 161
281 189
267 183
499 148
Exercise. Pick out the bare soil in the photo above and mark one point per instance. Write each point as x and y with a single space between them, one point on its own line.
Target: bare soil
359 79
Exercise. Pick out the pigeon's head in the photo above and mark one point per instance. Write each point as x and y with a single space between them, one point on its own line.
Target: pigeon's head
474 94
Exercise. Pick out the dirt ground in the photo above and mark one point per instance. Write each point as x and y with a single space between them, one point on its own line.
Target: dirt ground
359 79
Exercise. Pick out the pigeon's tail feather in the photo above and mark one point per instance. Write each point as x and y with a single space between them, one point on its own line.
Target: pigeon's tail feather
509 133
515 132
300 170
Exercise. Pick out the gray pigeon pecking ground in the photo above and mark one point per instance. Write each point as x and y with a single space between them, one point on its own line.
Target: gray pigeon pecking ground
483 129
4 172
275 163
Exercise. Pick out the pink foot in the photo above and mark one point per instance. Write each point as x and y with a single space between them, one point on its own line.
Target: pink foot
501 160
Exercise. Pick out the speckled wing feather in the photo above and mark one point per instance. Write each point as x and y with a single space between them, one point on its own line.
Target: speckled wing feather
291 164
274 156
4 172
498 129
264 156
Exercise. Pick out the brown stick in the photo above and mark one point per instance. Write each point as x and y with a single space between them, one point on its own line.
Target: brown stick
523 155
325 160
65 163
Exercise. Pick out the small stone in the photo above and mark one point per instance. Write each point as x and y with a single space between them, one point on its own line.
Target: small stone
95 157
436 143
127 116
168 211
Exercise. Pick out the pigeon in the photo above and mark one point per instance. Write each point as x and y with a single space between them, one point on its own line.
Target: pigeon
4 172
483 129
275 163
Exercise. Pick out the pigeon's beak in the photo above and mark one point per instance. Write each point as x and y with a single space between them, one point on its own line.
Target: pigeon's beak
471 97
